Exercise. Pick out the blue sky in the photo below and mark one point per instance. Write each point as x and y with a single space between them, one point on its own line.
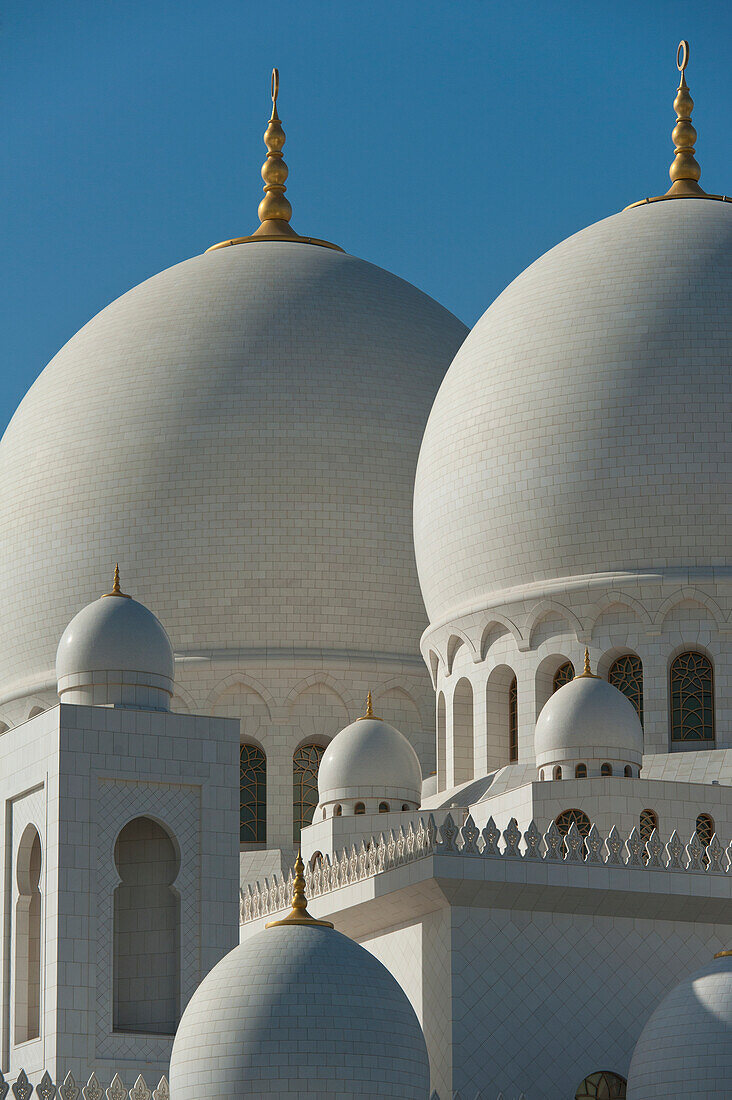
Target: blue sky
451 142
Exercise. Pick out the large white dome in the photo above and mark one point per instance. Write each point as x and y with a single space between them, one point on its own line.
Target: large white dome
685 1049
299 1010
581 427
370 759
240 432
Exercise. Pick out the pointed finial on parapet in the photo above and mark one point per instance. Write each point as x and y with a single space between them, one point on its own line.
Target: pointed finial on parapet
116 590
299 912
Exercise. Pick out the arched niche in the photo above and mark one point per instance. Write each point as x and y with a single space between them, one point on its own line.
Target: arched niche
499 716
462 732
27 992
544 678
146 966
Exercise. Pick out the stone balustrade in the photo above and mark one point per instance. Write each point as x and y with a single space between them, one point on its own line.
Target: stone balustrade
23 1089
383 853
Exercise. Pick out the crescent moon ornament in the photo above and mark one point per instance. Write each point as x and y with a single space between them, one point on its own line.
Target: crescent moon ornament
682 55
275 85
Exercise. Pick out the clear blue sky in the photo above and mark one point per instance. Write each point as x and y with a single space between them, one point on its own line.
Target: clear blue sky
452 142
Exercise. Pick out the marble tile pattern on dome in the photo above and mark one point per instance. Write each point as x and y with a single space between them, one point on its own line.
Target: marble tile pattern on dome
512 867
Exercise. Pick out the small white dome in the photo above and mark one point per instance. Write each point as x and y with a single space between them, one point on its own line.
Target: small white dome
685 1049
115 652
299 1010
588 721
370 760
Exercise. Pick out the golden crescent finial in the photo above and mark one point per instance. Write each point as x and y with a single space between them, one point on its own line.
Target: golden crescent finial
116 589
684 170
299 912
275 90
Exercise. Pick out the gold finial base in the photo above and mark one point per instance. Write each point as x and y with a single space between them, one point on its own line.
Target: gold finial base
299 912
256 238
723 954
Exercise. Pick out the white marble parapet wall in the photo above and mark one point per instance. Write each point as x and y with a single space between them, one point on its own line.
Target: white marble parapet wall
425 838
23 1089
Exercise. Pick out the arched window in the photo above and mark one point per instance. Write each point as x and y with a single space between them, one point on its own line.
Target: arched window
28 938
628 771
563 675
252 795
146 930
462 732
705 828
441 743
578 817
557 773
602 1086
606 769
338 811
405 806
513 721
626 674
316 860
359 808
305 764
648 822
383 807
541 775
692 698
580 771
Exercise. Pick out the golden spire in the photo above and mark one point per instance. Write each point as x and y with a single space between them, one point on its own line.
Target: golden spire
274 210
587 670
299 912
684 170
116 590
369 711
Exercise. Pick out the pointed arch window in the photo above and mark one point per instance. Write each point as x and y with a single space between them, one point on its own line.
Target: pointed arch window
648 822
563 675
567 818
305 763
626 674
252 795
692 698
602 1086
513 721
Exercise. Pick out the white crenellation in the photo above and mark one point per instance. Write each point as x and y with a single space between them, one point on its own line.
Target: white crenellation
22 1088
383 853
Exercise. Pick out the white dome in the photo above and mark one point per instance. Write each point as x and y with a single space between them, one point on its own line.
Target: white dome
685 1049
370 760
242 432
588 721
580 427
115 652
299 1010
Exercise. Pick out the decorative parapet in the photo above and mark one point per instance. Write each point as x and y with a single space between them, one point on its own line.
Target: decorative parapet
22 1089
476 1096
383 853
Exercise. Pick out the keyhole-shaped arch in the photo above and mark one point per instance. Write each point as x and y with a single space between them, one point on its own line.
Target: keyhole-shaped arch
146 968
27 1001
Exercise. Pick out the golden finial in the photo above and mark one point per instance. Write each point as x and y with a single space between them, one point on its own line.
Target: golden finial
723 954
116 590
369 711
587 670
299 912
274 210
684 170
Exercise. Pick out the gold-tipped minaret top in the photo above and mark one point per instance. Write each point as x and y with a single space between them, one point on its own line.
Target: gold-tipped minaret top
369 711
299 912
684 170
274 209
587 670
116 590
